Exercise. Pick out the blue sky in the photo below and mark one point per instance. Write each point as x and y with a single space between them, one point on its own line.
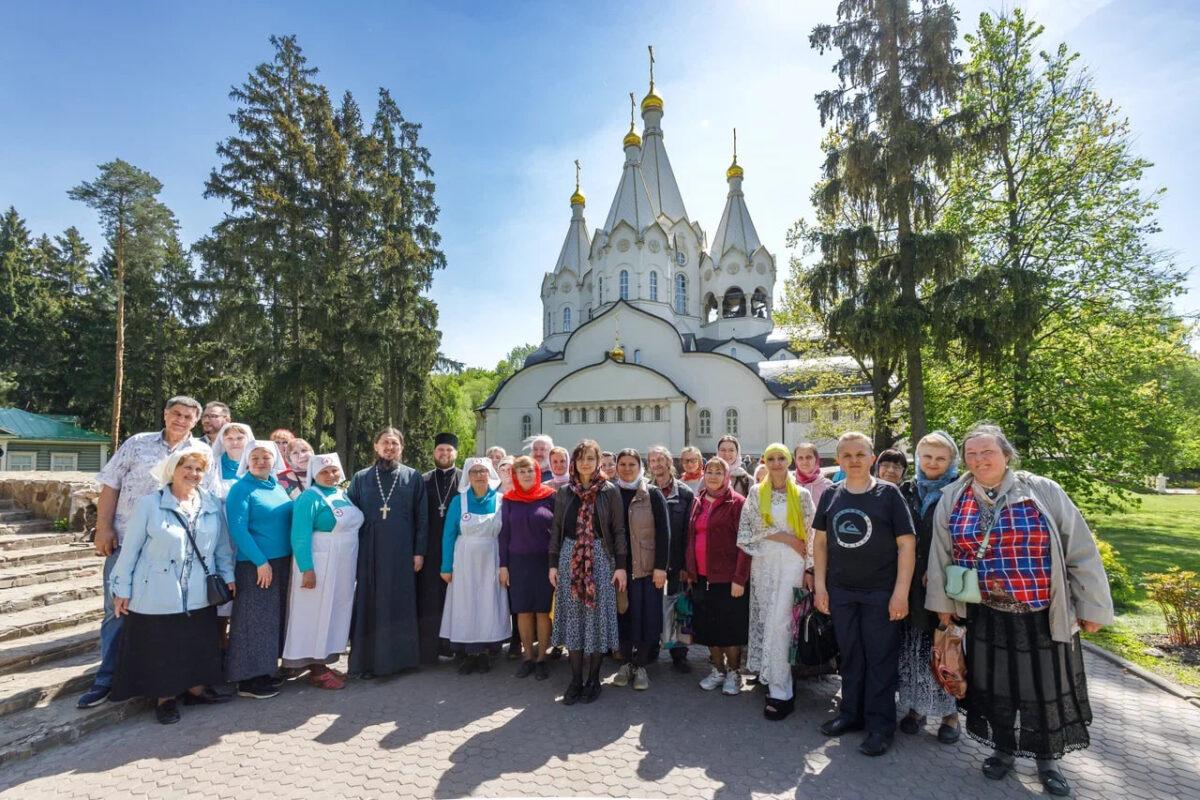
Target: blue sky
509 95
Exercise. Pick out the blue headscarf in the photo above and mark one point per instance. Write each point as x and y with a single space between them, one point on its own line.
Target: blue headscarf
930 490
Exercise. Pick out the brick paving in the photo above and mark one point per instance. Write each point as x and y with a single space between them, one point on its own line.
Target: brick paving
439 734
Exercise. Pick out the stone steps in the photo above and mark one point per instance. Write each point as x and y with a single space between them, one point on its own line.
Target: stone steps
46 555
63 678
15 515
27 541
26 526
44 619
7 504
33 730
20 598
31 574
35 652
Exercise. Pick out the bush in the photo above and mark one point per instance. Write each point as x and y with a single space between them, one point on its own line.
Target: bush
1177 593
1120 584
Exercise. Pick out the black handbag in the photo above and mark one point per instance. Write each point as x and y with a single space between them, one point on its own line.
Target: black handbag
816 643
218 590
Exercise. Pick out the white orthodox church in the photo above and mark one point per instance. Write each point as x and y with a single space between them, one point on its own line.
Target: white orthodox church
652 334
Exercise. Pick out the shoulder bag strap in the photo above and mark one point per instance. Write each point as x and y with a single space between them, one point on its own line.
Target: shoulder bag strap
983 545
187 527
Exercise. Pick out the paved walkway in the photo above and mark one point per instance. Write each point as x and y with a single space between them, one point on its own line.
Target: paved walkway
438 734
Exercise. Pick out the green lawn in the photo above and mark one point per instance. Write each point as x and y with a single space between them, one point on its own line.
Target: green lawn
1162 532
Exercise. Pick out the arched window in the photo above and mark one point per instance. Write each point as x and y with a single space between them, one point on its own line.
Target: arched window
602 414
734 304
600 289
793 415
813 414
758 303
549 324
637 356
567 319
705 422
624 284
526 426
620 413
565 416
637 413
711 312
653 285
583 415
680 293
731 422
658 413
733 352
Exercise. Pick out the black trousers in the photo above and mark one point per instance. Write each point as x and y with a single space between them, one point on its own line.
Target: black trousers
870 656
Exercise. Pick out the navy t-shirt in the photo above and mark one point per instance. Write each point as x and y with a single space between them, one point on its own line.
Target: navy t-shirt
860 534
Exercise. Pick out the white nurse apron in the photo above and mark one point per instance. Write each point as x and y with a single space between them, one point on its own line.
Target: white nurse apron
476 610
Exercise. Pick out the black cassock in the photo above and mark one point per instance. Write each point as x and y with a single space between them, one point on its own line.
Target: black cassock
384 636
440 487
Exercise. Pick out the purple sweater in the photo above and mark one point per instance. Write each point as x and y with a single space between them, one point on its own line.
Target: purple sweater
525 528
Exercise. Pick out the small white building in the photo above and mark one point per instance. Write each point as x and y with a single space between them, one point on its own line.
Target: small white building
651 335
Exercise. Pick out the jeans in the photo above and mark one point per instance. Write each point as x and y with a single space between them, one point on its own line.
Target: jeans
869 643
110 629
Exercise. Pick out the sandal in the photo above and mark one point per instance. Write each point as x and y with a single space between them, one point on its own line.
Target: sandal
1055 782
776 710
326 680
996 768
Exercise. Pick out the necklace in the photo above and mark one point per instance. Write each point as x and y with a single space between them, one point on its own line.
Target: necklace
442 498
385 508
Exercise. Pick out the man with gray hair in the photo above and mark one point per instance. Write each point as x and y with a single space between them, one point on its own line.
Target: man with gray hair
125 480
539 450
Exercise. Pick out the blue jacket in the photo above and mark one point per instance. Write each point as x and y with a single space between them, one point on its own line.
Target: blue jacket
148 569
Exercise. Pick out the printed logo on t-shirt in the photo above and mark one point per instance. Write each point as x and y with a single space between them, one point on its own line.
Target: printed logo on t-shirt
851 528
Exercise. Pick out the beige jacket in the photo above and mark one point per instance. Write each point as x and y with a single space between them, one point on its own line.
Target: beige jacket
1078 585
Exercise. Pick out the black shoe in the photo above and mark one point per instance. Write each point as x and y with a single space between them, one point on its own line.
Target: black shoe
1055 782
591 691
996 768
778 709
257 689
571 695
167 713
555 653
912 725
876 744
681 665
483 663
948 734
208 697
541 671
367 675
514 649
466 666
839 725
525 670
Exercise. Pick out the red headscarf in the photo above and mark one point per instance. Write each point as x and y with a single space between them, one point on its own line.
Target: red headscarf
520 494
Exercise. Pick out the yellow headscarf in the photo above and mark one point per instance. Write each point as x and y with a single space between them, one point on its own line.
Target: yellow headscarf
795 512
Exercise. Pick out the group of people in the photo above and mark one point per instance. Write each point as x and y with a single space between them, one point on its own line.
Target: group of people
605 555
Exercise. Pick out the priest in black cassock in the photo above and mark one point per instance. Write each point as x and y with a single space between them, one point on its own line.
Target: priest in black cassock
441 483
391 542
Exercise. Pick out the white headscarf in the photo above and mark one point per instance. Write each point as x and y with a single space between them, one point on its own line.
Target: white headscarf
218 447
316 463
464 480
261 444
164 470
565 477
636 482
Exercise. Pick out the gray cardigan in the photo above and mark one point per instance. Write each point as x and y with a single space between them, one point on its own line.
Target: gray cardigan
1078 585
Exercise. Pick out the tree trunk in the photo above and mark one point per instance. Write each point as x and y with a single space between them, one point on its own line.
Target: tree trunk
341 427
319 417
119 360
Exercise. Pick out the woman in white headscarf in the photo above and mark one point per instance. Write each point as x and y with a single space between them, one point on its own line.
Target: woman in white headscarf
324 560
259 513
476 611
228 450
560 467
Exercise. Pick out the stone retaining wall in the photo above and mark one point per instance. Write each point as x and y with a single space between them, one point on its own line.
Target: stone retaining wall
54 495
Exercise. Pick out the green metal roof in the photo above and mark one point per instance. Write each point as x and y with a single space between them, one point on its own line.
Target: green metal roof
42 427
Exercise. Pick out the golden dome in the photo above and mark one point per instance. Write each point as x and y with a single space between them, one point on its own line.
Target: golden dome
617 353
578 199
631 139
652 100
734 171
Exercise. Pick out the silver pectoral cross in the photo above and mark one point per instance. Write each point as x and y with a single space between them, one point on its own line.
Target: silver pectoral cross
442 509
384 509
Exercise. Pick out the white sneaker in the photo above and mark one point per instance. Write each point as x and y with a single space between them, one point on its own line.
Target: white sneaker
623 675
713 680
641 681
733 683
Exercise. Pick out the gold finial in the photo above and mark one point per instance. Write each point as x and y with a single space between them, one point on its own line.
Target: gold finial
577 199
631 138
618 352
651 100
734 170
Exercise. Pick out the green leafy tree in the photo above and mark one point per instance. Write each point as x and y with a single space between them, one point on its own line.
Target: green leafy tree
896 72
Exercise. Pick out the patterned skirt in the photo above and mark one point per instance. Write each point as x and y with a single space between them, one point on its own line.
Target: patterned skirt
577 627
1026 693
258 625
919 691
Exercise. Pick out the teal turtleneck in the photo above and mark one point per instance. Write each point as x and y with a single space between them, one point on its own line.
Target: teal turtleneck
259 513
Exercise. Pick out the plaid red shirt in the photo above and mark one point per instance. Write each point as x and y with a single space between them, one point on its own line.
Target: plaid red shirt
1015 570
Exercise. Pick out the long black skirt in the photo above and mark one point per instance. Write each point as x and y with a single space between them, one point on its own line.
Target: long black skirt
529 589
258 624
718 618
642 621
1026 693
162 655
